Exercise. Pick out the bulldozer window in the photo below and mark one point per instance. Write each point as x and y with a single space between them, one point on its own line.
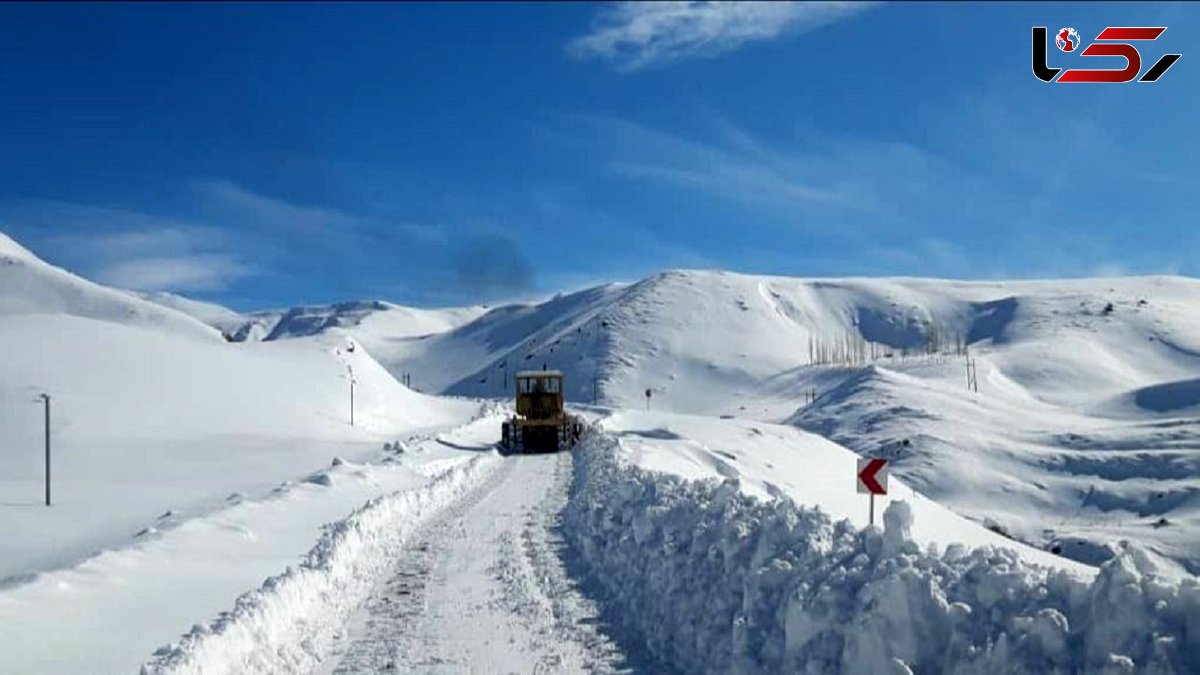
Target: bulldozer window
525 385
552 385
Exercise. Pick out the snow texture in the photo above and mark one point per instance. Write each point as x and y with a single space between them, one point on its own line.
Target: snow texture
285 626
1101 374
712 580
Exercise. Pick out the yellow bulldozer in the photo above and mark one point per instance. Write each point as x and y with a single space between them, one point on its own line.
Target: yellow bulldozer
541 424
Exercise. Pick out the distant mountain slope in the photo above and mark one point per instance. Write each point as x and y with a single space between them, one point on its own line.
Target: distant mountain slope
697 339
222 318
1084 429
700 340
30 286
371 317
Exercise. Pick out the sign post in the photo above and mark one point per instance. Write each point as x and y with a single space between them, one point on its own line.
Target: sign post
648 392
872 479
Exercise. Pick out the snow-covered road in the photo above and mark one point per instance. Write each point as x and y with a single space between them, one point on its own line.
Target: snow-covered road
483 589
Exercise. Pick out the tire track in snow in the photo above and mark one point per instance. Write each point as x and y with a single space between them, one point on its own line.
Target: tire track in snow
485 589
287 624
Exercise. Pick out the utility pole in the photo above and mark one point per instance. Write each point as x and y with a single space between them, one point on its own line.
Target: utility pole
46 401
350 370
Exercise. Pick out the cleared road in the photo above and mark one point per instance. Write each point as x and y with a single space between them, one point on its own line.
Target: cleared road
483 589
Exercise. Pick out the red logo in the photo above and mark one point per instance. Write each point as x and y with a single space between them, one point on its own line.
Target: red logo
1112 41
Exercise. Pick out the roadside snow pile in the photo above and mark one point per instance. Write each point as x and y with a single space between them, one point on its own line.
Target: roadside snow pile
714 581
285 626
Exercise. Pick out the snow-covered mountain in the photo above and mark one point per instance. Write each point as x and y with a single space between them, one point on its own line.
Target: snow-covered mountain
222 318
371 318
1083 429
154 411
30 286
194 455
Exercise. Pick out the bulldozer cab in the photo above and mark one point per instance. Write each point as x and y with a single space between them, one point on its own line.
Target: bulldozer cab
541 424
539 394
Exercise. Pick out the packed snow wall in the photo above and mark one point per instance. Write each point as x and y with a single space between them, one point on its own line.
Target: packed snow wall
710 580
285 626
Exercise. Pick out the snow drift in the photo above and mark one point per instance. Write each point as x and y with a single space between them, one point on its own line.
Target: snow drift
710 580
284 626
153 412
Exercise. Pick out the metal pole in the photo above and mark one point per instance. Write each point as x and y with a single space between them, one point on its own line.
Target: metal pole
46 401
350 370
872 508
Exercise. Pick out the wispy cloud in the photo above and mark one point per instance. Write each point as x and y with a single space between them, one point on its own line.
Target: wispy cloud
823 185
636 35
231 233
161 256
226 200
131 249
745 172
194 273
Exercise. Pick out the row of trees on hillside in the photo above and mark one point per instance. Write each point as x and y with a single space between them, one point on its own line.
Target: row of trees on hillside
852 349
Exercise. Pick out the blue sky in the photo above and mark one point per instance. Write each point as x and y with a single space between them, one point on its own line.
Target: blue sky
267 155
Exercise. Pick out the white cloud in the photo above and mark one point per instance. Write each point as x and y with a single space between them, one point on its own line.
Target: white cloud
161 257
130 249
635 35
195 273
861 182
232 203
263 210
755 175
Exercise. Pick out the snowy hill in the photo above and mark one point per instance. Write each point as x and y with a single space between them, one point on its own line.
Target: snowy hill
1100 374
1082 432
153 411
222 318
189 467
29 286
371 319
697 337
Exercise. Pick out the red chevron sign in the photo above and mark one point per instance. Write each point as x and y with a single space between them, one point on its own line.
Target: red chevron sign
872 476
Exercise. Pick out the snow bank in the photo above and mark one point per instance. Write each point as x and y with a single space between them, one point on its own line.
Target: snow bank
714 581
284 626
